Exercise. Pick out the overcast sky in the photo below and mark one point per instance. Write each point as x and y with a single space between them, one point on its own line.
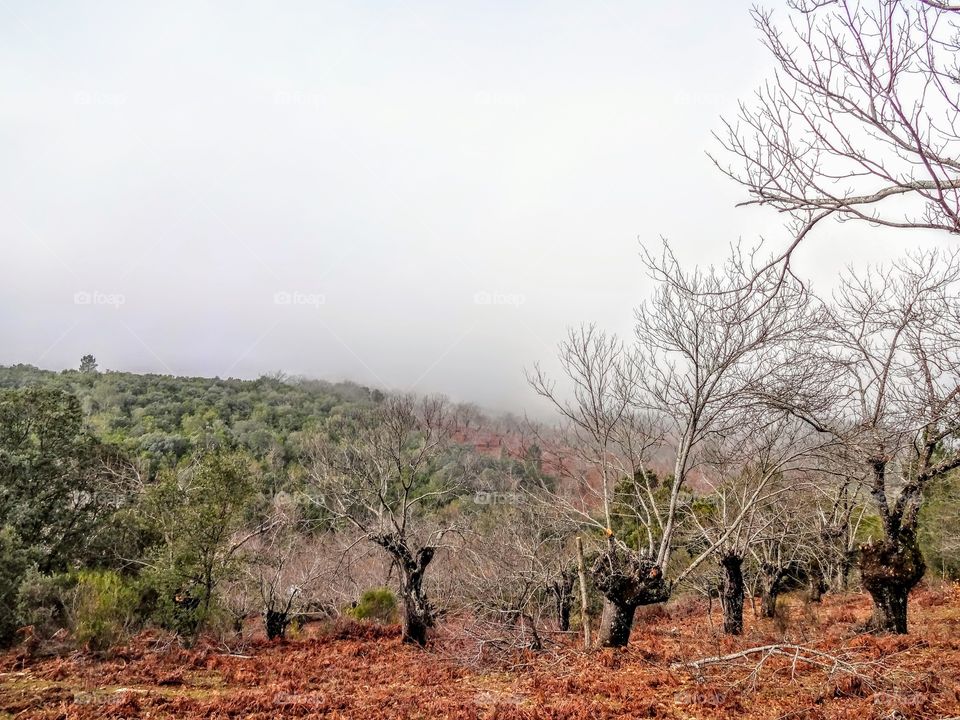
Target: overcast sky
410 195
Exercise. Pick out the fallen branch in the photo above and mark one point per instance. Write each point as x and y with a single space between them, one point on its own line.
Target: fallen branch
796 653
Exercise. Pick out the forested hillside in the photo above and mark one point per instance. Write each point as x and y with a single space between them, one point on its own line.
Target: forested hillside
162 418
185 502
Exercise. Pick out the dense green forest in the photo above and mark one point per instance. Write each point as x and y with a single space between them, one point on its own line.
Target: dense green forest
161 418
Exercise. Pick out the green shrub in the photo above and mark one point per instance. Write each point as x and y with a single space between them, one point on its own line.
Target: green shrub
98 607
103 608
43 602
14 561
379 604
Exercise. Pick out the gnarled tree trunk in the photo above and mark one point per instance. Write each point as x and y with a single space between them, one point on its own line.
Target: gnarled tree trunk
771 582
418 614
889 570
627 581
818 584
731 593
616 623
276 623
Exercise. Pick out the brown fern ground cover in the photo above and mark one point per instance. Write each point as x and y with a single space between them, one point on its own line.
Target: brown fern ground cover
365 672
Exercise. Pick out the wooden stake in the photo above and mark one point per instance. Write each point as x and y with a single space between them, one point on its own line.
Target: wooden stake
584 608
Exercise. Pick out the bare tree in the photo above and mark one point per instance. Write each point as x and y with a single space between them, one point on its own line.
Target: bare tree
884 380
783 550
606 440
378 475
703 340
285 567
516 576
861 121
751 473
840 511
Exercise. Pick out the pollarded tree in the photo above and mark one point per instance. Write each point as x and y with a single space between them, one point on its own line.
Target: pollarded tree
840 509
784 550
603 440
883 379
379 474
754 477
861 121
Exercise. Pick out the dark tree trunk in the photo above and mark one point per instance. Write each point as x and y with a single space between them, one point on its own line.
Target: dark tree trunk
276 622
731 595
771 581
417 612
768 603
889 569
415 624
889 609
627 581
563 613
842 581
818 585
562 589
616 623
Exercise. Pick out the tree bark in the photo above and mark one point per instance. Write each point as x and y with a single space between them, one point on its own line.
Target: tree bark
415 624
818 585
562 589
616 623
890 569
276 624
627 581
584 601
732 592
771 580
563 614
417 611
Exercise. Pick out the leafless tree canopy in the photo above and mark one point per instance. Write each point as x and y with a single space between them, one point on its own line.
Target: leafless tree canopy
860 121
703 342
882 378
369 474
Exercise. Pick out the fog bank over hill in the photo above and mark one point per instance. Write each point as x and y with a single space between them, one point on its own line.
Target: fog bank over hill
203 191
